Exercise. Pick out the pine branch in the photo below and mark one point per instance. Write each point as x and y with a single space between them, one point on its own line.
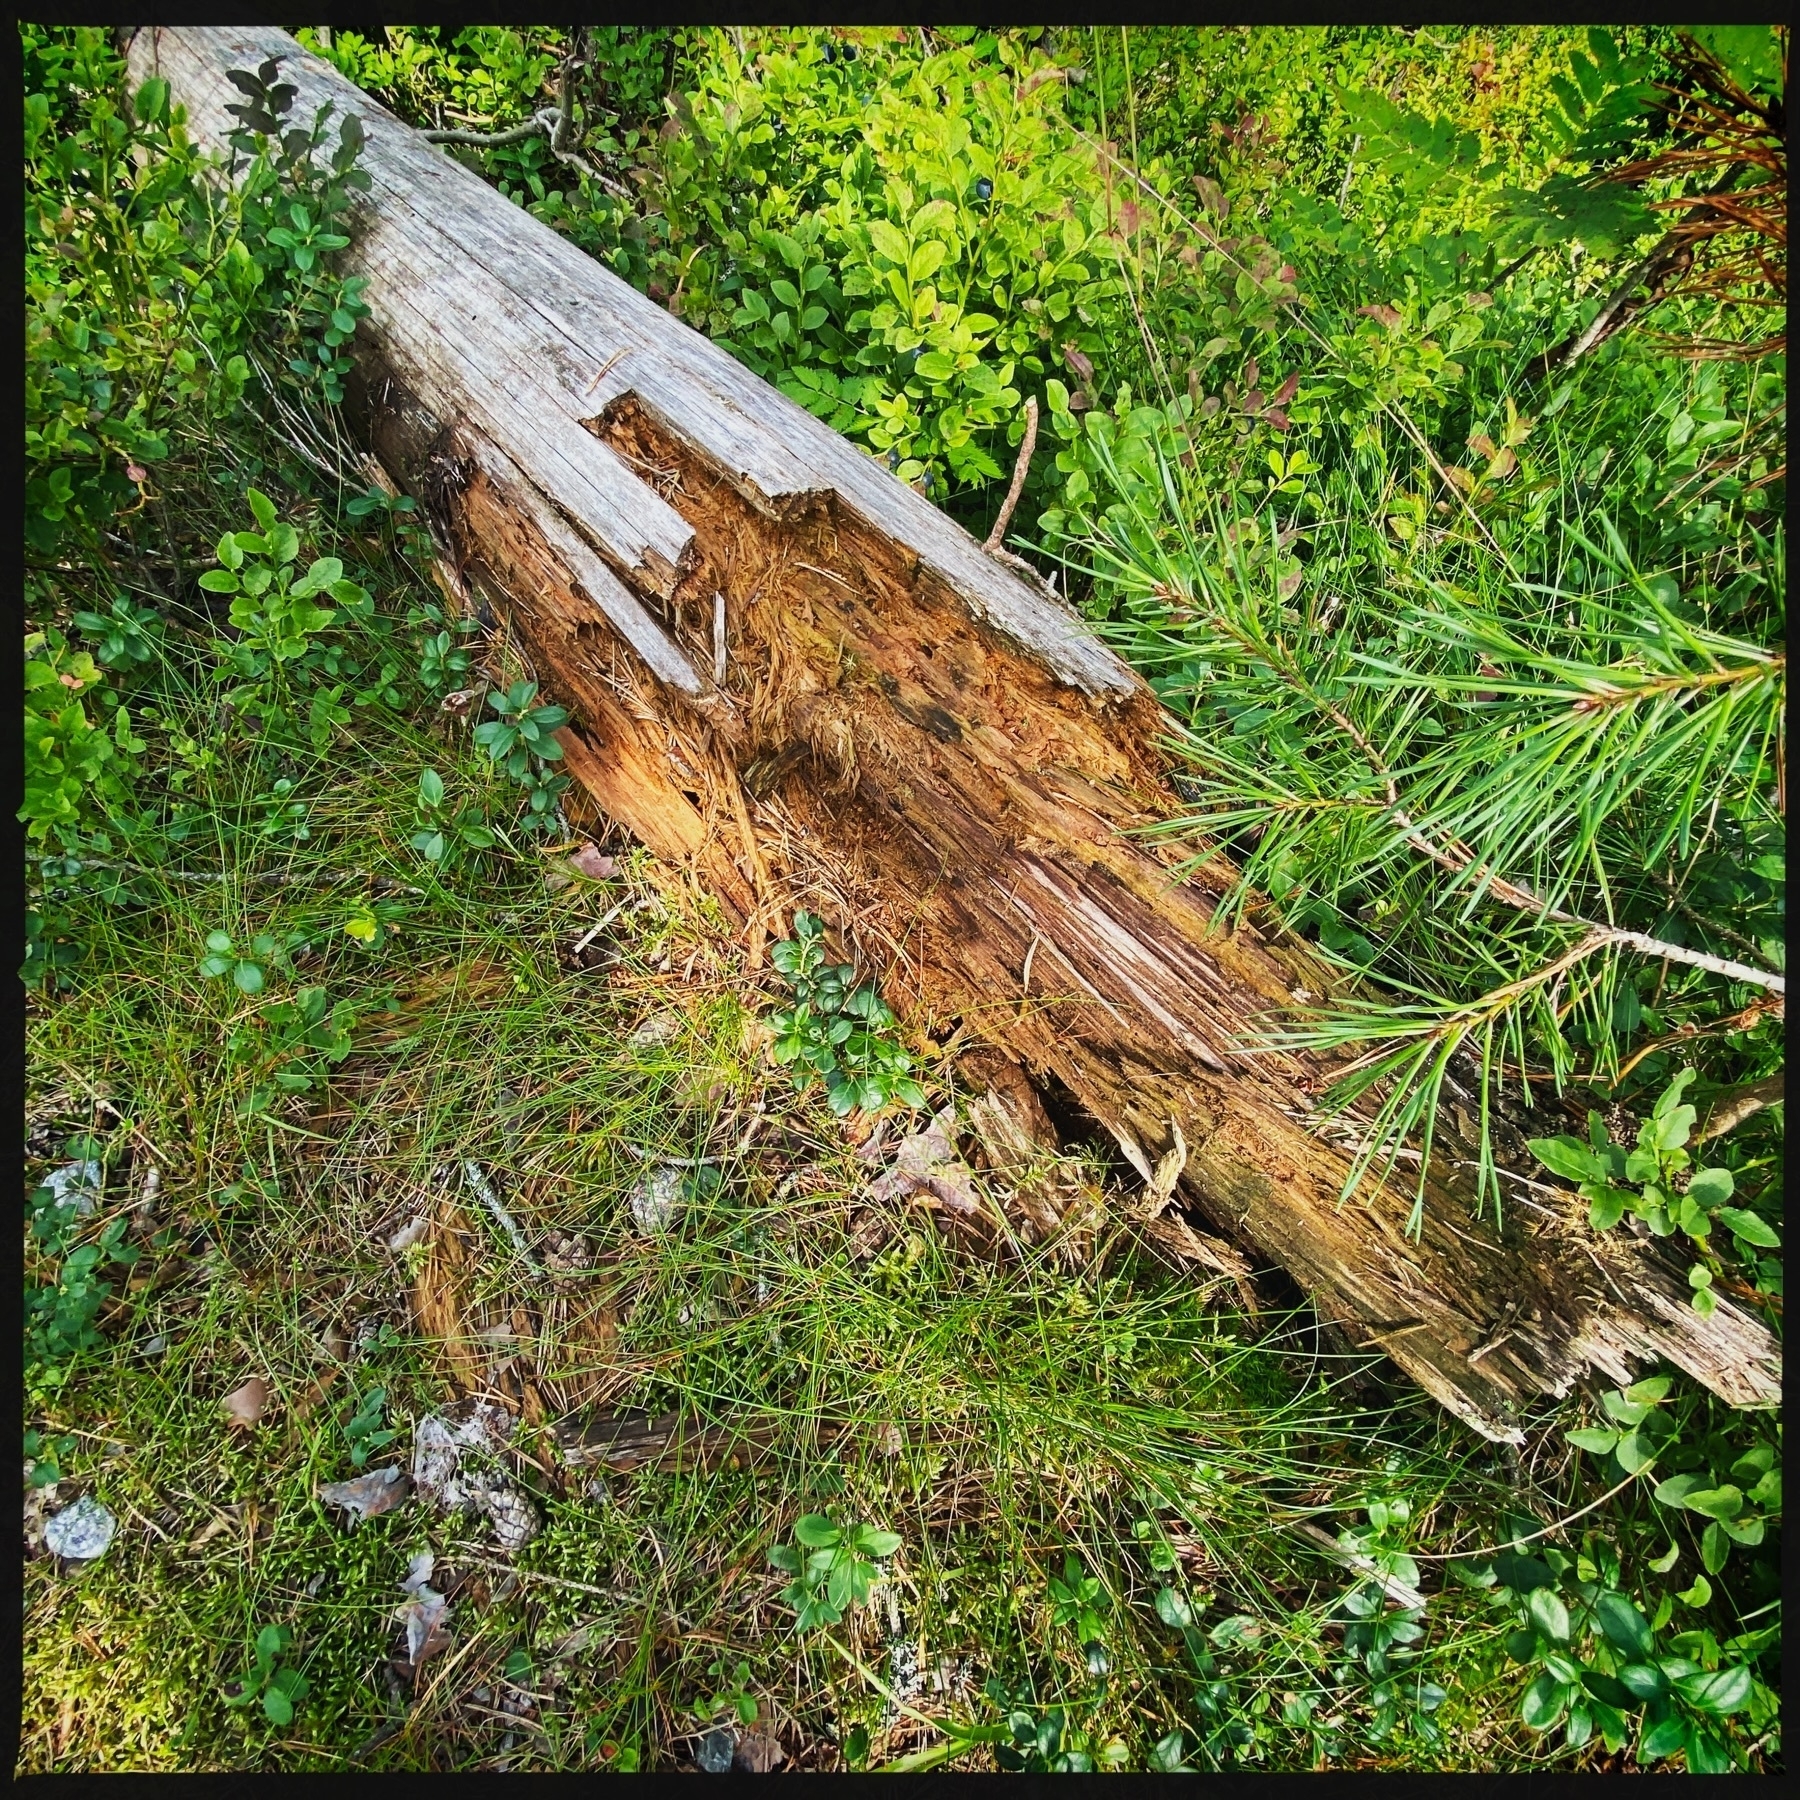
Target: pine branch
554 123
1738 1104
1461 861
1647 284
535 126
1687 1034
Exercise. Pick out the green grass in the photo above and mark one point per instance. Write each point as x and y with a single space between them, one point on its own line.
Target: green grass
999 1414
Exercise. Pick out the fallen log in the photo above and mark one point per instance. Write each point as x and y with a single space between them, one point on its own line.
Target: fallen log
792 675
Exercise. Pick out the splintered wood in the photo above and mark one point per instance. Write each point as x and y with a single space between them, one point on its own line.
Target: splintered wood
793 677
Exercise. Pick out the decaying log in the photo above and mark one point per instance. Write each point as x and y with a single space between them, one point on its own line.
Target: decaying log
911 739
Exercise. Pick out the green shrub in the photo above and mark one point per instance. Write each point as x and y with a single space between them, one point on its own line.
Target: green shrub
149 288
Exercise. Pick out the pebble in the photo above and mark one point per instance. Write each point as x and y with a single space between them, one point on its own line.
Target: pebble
80 1532
716 1750
76 1184
659 1028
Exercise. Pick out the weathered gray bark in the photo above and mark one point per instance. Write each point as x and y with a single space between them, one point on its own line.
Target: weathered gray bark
909 731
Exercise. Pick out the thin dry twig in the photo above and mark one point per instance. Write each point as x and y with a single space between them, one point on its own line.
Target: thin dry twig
1020 468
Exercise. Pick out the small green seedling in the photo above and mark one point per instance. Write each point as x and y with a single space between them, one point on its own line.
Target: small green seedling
125 635
280 1688
46 1455
1654 1170
363 1427
522 743
833 1567
1030 1742
1599 1664
1643 1437
60 1316
443 828
732 1694
1078 1600
247 967
522 731
273 607
835 1032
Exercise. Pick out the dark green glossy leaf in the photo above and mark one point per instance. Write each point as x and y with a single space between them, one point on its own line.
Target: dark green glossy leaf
1644 1680
1522 1573
1545 1702
1623 1626
1723 1691
1663 1739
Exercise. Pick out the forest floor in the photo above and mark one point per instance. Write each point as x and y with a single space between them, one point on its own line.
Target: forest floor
559 1173
453 1342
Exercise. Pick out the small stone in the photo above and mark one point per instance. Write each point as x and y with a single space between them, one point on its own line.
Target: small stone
81 1532
76 1184
716 1749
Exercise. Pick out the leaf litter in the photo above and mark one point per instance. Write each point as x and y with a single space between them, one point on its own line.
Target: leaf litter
928 1162
244 1406
449 1451
368 1496
425 1613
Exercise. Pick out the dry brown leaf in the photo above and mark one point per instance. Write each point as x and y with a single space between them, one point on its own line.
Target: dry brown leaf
927 1161
592 863
244 1406
426 1631
757 1754
367 1496
303 1407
